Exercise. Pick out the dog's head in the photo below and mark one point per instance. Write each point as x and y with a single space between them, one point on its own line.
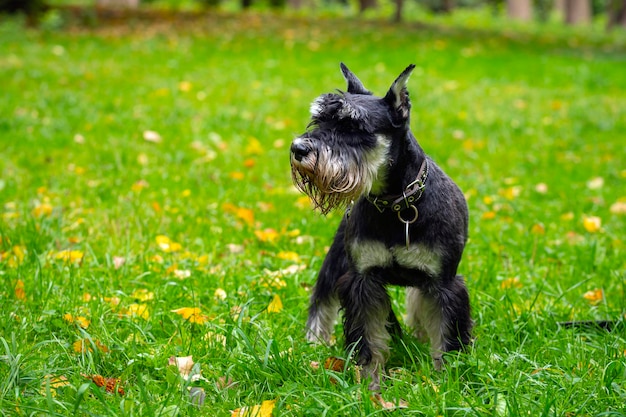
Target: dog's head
344 152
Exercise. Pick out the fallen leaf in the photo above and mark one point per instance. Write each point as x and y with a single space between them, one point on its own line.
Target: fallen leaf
192 314
594 296
137 310
335 364
42 209
71 256
511 283
619 207
20 294
265 409
139 185
511 193
541 188
197 395
595 183
267 235
184 364
111 385
82 321
151 136
276 305
388 405
592 224
288 256
167 245
54 382
538 229
142 295
253 147
220 294
118 261
224 383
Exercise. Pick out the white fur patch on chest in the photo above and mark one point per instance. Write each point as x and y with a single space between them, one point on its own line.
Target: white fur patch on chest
370 253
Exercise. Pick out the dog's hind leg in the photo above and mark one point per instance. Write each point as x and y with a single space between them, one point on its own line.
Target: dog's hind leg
443 314
324 304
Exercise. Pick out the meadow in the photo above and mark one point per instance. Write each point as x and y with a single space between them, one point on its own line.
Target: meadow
148 216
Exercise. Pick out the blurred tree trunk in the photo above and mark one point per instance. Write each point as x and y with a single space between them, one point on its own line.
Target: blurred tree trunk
367 4
577 11
448 6
246 4
295 4
397 17
616 11
129 4
519 9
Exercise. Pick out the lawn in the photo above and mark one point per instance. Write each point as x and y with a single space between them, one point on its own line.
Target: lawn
148 215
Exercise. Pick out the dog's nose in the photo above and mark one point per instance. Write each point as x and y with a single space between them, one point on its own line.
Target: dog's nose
299 150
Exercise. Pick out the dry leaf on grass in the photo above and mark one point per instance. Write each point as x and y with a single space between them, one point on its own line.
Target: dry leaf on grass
388 405
111 385
265 409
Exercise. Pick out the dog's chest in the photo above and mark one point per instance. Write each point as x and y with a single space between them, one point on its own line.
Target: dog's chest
368 254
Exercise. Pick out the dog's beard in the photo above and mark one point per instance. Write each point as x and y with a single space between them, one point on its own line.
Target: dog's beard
333 181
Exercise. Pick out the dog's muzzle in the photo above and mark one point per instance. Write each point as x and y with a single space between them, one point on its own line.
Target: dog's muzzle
299 150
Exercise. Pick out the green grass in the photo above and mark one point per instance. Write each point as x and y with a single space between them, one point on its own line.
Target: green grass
524 121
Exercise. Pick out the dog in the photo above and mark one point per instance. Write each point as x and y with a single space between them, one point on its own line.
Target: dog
405 224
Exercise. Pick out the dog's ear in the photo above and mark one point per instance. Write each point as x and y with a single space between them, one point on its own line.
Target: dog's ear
355 86
398 96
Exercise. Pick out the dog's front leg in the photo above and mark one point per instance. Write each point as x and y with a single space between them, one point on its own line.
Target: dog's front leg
324 305
366 308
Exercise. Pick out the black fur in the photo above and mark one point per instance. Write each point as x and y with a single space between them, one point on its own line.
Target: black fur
369 250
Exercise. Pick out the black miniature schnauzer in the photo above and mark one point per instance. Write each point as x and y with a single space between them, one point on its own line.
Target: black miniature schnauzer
405 224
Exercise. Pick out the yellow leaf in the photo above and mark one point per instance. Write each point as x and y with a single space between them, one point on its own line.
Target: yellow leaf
538 229
20 294
288 256
592 224
254 147
43 209
267 235
138 310
72 256
82 321
142 294
510 193
511 283
81 346
167 245
139 185
246 215
184 86
594 296
276 305
192 314
303 202
54 383
265 409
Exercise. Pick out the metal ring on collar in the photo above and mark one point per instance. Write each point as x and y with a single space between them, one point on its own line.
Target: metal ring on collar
416 214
